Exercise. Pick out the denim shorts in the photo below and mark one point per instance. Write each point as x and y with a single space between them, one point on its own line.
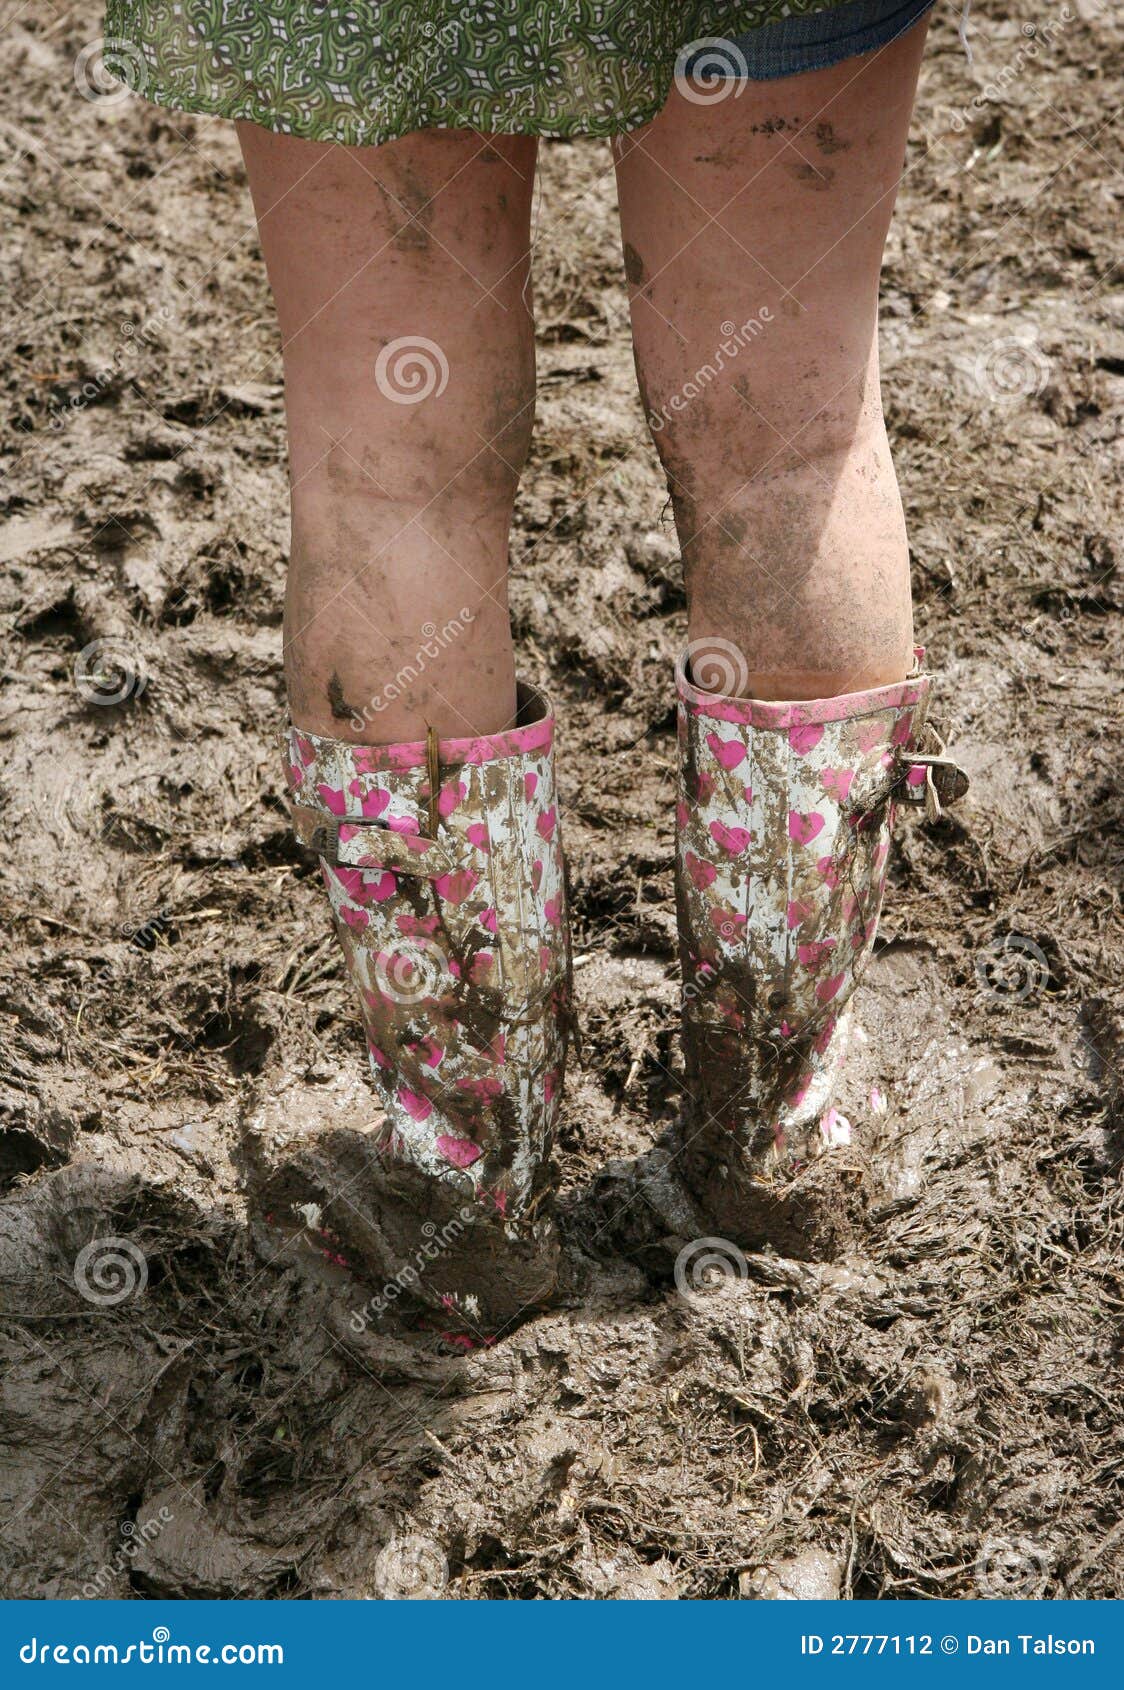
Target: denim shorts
814 41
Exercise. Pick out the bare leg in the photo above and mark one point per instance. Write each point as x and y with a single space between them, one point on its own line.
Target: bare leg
400 276
771 206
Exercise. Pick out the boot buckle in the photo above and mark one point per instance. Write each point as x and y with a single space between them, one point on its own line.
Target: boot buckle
933 782
323 838
370 845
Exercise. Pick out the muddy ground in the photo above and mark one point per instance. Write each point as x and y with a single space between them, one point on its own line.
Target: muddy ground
936 1415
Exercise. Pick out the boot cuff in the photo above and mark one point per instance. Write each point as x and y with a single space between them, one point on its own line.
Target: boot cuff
533 733
785 715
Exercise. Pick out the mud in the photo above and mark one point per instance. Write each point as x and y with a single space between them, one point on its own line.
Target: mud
933 1413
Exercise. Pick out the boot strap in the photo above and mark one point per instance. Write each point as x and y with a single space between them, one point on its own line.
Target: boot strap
931 780
356 842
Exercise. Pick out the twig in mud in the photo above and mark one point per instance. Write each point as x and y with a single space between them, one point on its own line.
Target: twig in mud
323 949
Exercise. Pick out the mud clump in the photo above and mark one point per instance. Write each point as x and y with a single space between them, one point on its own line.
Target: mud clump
189 1406
811 1577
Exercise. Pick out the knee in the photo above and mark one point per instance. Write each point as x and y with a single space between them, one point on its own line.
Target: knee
738 441
786 403
451 438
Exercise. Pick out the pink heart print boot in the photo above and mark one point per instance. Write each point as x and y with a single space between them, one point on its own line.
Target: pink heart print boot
784 818
444 869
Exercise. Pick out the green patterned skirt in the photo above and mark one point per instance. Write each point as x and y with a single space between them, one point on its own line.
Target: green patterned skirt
366 71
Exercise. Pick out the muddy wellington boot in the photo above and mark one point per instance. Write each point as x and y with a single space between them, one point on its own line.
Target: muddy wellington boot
784 818
444 869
